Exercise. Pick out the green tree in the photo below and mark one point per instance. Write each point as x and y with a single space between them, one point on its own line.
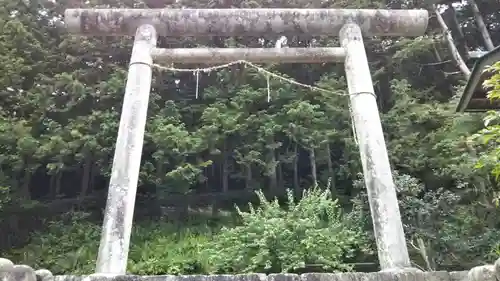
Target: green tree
490 135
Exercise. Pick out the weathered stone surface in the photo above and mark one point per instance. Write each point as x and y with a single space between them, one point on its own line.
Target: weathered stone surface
11 272
319 277
43 275
410 275
459 275
118 215
227 277
108 277
482 273
22 272
497 269
402 270
374 276
355 276
6 265
382 198
251 22
255 55
388 276
440 276
283 277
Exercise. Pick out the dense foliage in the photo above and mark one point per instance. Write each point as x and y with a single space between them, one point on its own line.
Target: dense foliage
490 135
311 232
155 249
439 225
60 101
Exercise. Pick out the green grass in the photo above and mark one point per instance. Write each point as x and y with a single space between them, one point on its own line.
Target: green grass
157 247
268 239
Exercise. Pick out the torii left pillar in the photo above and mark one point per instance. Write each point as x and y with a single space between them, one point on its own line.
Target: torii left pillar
119 212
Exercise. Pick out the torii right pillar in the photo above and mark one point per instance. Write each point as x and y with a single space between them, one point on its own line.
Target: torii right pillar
386 217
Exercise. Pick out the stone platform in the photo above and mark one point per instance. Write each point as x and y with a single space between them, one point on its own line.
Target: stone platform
373 276
11 272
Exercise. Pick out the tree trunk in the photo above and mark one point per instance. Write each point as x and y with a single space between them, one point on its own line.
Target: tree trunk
25 187
206 173
52 186
248 176
456 30
436 53
273 181
312 159
87 171
225 169
296 185
281 180
457 58
58 182
212 174
160 170
329 161
481 25
331 172
93 175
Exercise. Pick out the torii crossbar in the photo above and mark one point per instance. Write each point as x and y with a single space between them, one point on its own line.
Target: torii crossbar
349 25
238 22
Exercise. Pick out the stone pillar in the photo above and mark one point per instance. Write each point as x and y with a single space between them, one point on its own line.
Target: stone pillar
387 225
117 226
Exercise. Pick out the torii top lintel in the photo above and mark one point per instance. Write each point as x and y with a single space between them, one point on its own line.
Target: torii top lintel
250 22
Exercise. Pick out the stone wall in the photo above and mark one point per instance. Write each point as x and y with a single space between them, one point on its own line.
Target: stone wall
374 276
11 272
20 272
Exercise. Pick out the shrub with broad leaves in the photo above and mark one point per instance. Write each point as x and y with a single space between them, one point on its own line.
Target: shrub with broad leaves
310 233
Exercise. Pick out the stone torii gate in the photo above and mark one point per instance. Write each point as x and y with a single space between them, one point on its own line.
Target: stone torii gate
349 25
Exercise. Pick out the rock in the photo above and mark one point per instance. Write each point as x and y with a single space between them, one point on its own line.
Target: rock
11 272
497 269
43 275
482 273
6 265
22 273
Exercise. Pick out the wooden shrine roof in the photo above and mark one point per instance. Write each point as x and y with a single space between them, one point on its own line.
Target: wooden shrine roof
474 97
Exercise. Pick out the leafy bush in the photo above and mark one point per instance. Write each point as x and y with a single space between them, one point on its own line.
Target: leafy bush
489 137
444 229
309 233
69 246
